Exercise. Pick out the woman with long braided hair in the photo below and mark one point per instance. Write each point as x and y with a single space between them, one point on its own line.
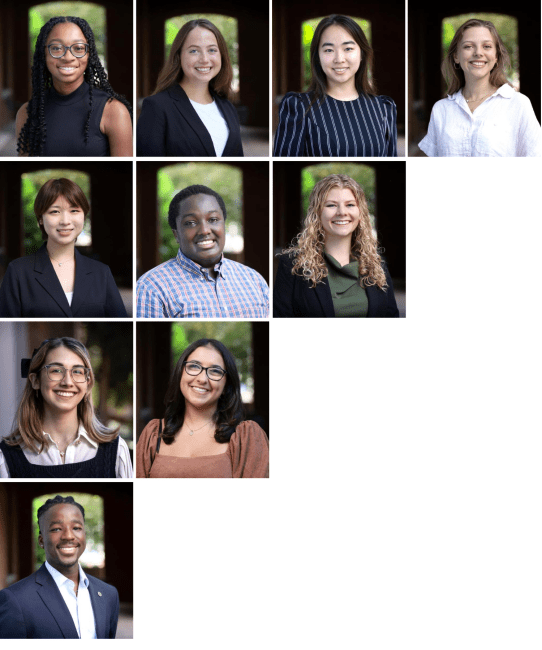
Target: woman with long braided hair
73 110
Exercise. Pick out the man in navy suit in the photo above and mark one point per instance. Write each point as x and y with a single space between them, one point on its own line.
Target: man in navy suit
60 601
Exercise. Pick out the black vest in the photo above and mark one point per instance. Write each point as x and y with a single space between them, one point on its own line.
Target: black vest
101 466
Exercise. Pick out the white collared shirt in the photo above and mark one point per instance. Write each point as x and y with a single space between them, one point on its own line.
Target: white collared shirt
81 449
504 125
79 604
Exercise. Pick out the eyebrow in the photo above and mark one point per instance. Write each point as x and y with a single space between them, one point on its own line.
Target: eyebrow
61 365
333 44
59 521
59 40
199 46
194 214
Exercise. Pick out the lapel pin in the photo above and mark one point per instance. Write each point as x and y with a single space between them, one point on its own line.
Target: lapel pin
99 593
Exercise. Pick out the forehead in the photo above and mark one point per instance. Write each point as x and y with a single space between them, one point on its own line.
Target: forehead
200 36
63 356
207 356
67 33
62 512
198 203
62 202
477 34
336 34
340 194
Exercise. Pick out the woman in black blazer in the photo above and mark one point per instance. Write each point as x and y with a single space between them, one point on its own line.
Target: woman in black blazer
189 113
57 281
333 268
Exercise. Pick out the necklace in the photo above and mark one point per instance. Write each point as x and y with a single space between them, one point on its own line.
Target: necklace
192 431
69 259
478 100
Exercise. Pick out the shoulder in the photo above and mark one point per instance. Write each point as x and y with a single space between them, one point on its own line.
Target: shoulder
21 586
286 260
519 99
92 265
22 115
22 263
385 100
158 274
240 270
249 433
116 110
293 100
102 586
150 432
162 98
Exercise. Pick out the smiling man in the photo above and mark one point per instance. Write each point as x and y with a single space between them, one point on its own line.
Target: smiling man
60 601
200 282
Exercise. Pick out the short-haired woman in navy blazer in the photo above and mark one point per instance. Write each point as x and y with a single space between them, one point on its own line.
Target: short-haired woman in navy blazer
333 268
57 281
341 114
189 113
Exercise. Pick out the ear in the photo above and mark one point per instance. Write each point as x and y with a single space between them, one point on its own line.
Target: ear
34 380
176 235
40 540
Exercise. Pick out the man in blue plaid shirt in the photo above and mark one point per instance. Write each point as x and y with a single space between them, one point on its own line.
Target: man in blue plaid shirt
200 282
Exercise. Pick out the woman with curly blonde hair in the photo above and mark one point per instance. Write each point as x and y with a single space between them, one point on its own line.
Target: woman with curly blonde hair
57 433
333 267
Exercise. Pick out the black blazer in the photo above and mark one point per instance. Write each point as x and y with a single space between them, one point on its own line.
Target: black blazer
293 296
33 608
169 126
31 288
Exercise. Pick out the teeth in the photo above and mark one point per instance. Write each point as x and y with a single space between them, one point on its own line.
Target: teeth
63 394
341 223
203 69
200 390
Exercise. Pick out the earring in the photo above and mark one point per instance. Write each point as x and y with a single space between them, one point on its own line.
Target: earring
456 65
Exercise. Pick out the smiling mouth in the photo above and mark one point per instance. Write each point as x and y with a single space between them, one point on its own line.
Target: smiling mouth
341 222
478 64
64 393
339 70
200 390
203 70
68 550
206 243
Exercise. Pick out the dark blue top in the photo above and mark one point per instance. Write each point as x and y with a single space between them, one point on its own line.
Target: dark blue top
365 127
65 120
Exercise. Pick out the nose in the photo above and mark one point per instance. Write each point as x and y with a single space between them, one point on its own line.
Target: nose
204 228
67 380
67 534
68 55
339 56
204 57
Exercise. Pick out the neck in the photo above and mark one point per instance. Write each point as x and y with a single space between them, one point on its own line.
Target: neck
197 417
339 248
344 92
70 572
198 93
61 252
67 87
62 427
475 89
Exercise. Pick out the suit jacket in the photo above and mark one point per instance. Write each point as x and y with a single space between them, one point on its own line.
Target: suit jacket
293 296
31 288
33 608
169 126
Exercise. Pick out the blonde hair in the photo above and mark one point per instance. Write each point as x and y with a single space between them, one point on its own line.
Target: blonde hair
455 77
29 419
308 247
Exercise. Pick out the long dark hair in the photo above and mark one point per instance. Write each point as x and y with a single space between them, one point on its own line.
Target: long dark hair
34 132
229 411
172 72
364 85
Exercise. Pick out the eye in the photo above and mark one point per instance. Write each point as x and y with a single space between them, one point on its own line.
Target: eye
189 224
56 372
56 49
79 48
79 372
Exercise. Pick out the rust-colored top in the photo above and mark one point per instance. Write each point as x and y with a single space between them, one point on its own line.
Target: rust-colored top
247 456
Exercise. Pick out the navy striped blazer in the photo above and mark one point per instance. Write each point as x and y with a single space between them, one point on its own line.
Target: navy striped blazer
365 127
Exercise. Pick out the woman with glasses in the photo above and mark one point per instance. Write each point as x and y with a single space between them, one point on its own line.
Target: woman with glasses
57 434
341 114
203 434
57 281
190 113
73 110
333 268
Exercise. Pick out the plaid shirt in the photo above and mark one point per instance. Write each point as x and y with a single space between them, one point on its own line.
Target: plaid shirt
180 288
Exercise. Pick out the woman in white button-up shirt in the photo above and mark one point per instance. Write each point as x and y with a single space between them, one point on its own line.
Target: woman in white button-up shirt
482 115
58 434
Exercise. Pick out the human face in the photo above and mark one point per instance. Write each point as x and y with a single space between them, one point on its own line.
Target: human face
477 53
340 55
199 391
62 536
200 56
201 230
60 395
68 69
63 222
340 214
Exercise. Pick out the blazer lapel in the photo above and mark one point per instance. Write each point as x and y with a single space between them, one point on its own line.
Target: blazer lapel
323 293
82 270
47 278
99 608
52 599
192 119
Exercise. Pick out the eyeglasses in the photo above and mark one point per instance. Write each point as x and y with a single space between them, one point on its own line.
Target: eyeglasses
56 373
57 51
194 368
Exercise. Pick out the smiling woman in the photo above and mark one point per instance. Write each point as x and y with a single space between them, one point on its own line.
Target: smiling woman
73 110
58 434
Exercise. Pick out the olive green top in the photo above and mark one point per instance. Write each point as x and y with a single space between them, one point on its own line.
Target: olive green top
349 299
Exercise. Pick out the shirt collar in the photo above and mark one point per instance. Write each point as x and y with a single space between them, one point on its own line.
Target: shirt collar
505 91
190 265
60 579
81 433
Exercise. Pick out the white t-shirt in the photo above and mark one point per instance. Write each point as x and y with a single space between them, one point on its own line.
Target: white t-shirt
504 125
215 123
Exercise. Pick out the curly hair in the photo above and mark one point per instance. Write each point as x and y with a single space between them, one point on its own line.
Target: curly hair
308 247
34 132
455 77
58 500
172 72
29 419
189 191
229 411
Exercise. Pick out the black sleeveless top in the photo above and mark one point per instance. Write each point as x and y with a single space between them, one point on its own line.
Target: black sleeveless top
65 119
101 466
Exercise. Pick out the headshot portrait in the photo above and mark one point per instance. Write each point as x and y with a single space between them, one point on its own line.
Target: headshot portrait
483 97
338 80
68 258
66 404
64 582
339 237
80 76
204 413
215 263
202 80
